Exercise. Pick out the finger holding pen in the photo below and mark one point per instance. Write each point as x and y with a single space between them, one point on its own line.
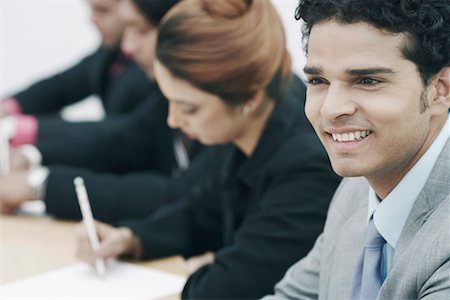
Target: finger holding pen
113 242
101 241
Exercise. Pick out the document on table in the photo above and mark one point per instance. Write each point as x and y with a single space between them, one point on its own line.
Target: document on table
80 281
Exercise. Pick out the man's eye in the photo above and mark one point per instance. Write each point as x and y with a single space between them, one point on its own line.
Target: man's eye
369 81
315 81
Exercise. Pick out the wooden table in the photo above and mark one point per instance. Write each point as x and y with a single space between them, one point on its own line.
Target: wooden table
31 245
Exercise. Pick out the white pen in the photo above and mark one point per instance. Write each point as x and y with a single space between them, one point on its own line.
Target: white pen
88 220
4 148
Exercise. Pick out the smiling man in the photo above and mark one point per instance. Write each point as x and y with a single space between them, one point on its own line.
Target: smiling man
379 98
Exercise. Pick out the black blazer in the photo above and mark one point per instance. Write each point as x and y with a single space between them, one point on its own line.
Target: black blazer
116 197
139 141
258 214
127 96
120 93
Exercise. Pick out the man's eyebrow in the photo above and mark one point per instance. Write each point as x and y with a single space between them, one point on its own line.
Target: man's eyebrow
354 72
312 70
370 71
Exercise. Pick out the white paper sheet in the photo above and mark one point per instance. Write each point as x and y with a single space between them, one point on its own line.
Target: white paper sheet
79 281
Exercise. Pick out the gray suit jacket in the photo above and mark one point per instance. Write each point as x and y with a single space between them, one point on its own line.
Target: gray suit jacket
421 263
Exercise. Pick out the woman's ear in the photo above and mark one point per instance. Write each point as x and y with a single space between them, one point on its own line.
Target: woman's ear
256 101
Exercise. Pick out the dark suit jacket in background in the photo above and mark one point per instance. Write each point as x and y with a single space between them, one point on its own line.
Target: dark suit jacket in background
119 94
114 144
116 197
139 141
258 214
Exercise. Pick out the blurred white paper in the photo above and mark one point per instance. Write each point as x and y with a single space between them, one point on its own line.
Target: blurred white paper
80 281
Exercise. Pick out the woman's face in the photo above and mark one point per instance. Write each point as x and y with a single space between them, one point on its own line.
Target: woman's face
200 115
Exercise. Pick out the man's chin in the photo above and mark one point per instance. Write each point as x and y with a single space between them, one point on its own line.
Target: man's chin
347 170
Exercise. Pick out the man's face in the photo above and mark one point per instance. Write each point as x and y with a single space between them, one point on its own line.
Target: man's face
105 16
139 40
364 102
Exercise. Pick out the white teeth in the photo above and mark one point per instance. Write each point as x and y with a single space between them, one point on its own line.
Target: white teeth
350 136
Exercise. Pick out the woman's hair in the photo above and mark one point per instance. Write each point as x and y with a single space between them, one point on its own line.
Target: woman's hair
230 48
154 10
426 24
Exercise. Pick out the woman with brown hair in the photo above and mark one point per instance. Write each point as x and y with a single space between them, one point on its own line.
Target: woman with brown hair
225 70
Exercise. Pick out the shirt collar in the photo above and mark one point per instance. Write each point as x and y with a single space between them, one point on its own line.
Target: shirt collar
390 214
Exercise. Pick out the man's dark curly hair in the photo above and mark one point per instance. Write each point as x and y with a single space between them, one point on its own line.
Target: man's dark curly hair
425 22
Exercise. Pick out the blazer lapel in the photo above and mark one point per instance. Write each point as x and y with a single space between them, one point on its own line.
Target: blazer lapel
402 281
435 191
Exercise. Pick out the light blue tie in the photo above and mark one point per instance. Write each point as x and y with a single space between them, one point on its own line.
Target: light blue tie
367 280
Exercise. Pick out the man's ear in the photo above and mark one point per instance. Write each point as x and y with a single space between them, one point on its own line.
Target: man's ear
441 98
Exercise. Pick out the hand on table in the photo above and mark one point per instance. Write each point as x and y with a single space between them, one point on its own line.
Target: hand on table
13 191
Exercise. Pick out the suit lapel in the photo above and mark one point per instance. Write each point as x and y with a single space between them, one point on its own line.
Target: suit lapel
435 191
416 240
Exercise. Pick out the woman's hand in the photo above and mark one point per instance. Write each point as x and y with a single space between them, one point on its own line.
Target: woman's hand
114 242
